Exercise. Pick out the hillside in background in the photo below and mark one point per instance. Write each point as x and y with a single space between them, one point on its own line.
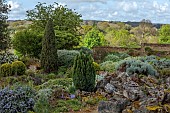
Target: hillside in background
133 24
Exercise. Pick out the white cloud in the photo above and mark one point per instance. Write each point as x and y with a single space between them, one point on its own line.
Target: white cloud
14 5
17 12
129 6
101 1
161 7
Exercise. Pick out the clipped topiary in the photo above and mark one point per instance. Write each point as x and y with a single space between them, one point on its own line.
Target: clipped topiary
84 72
18 68
5 70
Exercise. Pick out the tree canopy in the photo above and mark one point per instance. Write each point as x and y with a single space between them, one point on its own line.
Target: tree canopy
164 34
94 38
4 35
27 42
66 23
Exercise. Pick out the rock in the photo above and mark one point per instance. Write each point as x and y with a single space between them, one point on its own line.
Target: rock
117 84
109 88
101 84
131 90
116 106
166 98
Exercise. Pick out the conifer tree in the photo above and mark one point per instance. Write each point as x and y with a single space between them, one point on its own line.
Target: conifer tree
4 35
84 72
49 50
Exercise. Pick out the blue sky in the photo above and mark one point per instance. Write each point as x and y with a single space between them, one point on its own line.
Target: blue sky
158 11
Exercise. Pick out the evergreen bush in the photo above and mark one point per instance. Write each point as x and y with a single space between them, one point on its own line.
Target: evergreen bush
84 72
108 66
66 57
5 70
132 66
18 68
49 55
112 58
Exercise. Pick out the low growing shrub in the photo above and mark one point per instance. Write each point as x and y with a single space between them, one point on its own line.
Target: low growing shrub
18 68
60 81
108 66
112 58
66 57
7 57
5 70
132 66
18 100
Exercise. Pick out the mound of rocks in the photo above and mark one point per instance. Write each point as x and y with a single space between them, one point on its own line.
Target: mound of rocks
134 94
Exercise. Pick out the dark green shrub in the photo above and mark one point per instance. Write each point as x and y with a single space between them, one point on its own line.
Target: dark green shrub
86 50
112 58
18 68
84 72
5 70
132 66
66 57
49 60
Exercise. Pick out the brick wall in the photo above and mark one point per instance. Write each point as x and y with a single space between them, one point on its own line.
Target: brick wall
101 51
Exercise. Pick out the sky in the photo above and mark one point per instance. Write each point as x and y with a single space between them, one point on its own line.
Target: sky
158 11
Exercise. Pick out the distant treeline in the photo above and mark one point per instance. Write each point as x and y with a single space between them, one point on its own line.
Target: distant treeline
133 24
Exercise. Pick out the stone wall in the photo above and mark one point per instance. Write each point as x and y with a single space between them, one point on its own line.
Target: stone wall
101 51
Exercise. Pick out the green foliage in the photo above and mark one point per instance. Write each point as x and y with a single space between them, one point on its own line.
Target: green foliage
132 66
85 50
96 66
49 55
42 104
164 36
165 72
66 23
7 57
27 42
66 57
158 63
18 68
108 66
121 38
55 82
72 89
4 34
5 70
112 58
84 72
94 38
66 105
